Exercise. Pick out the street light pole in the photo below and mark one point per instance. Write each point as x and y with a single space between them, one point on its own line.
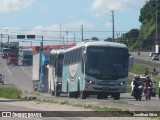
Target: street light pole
156 24
82 32
31 44
113 25
42 42
1 38
74 38
8 38
67 37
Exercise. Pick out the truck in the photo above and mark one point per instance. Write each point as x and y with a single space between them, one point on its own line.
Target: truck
13 55
40 71
14 44
26 56
5 49
5 52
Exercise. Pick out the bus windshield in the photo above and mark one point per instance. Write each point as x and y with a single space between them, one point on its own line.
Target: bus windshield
108 62
6 50
60 64
28 57
27 52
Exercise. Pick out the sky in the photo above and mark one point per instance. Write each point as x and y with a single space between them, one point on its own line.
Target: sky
58 20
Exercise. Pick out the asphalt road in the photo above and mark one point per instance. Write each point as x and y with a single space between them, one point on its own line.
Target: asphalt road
20 76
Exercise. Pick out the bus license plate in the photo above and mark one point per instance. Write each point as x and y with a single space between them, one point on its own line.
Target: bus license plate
105 88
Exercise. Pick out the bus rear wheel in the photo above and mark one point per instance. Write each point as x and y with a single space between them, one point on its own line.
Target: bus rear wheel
70 94
57 93
83 95
52 93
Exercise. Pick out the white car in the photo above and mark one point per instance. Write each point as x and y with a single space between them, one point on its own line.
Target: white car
152 53
156 56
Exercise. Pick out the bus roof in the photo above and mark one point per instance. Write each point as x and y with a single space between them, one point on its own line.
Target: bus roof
57 51
26 49
98 43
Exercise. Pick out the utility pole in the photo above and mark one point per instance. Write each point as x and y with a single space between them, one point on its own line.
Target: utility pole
63 42
31 44
60 34
113 25
67 37
82 32
42 42
1 38
8 38
156 23
74 38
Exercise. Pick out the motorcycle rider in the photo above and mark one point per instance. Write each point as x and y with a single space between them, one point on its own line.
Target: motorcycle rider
147 83
137 82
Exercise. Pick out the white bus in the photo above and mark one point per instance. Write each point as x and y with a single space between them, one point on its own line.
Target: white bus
96 68
55 72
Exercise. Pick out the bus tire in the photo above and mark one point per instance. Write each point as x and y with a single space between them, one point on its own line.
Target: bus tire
57 93
70 94
83 95
76 94
99 96
52 93
116 96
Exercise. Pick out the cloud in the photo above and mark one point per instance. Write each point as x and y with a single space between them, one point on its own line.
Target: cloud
108 25
77 25
64 27
51 32
99 7
14 5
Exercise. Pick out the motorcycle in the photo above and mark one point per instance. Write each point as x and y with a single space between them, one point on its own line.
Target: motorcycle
153 88
138 92
148 93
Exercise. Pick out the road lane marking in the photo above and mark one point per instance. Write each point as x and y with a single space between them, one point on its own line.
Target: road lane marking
25 71
9 71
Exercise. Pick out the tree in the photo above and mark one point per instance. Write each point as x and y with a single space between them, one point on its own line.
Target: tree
94 38
148 12
108 39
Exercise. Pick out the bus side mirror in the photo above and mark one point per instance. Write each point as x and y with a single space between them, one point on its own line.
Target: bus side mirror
131 60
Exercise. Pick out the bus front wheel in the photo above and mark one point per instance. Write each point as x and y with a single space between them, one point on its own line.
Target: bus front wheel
57 93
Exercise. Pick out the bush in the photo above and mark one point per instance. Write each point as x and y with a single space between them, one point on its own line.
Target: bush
10 92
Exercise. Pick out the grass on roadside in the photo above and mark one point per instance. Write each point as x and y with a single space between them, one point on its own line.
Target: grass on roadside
138 69
86 106
10 92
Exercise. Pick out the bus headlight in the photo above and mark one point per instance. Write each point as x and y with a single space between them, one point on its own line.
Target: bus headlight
90 82
122 83
58 83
